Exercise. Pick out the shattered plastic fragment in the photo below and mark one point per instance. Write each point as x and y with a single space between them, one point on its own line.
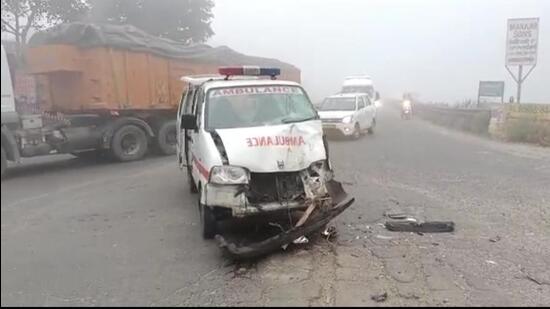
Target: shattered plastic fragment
301 240
329 232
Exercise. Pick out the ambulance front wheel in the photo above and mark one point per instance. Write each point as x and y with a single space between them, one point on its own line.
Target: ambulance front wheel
191 182
208 220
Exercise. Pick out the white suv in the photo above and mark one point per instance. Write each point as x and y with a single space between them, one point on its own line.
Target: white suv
349 114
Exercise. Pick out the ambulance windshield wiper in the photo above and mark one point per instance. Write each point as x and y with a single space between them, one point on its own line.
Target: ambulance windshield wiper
291 120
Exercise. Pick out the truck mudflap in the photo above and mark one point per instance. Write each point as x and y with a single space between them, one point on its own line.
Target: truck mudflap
318 218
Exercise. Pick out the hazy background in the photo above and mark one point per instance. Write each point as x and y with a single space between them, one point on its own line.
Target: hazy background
438 48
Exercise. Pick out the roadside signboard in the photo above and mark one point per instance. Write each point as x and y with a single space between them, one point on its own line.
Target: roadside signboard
522 41
491 89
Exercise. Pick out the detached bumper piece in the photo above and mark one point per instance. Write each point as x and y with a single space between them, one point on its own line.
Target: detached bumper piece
318 219
426 227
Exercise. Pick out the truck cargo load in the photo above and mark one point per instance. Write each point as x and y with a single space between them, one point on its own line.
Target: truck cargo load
84 66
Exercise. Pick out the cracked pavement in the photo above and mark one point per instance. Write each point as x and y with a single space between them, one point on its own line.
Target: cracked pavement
81 233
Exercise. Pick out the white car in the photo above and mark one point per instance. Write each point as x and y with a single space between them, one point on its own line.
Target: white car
348 114
252 147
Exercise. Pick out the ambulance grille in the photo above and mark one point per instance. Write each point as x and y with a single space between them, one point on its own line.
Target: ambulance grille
275 187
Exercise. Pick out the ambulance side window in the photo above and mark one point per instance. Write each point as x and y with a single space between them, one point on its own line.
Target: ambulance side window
199 103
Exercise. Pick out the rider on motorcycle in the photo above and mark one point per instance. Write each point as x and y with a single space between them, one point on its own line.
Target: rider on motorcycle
406 106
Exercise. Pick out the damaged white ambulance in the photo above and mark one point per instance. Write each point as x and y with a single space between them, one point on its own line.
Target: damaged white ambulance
254 146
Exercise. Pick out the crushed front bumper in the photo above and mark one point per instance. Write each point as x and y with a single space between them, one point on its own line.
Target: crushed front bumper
233 197
318 219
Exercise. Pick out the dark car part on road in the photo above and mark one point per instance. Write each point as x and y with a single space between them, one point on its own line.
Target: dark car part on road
426 227
379 297
315 222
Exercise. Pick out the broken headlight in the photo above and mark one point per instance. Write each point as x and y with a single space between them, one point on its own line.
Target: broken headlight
320 168
229 175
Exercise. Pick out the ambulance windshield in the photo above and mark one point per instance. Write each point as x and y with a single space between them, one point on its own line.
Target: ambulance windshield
239 107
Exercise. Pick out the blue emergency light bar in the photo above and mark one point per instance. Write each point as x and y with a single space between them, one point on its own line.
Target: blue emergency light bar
250 71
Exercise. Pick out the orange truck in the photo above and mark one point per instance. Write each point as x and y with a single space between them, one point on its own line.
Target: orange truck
110 89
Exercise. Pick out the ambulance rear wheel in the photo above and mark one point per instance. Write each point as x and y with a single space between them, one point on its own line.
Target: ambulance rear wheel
208 220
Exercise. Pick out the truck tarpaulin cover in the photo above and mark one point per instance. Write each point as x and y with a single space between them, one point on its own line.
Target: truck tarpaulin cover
89 35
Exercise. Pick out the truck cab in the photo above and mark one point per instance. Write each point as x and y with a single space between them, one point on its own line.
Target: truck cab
250 146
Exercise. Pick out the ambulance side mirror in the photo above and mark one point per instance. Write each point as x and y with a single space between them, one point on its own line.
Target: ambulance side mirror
188 122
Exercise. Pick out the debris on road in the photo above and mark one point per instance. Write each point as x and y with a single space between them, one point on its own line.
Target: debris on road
494 239
329 232
379 297
491 262
396 215
395 201
301 240
240 271
425 227
536 279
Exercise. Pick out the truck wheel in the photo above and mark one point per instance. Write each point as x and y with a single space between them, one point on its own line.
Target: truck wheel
167 139
4 163
372 126
208 220
129 143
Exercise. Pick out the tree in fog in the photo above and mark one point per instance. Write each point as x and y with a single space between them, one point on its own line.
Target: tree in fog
188 21
20 16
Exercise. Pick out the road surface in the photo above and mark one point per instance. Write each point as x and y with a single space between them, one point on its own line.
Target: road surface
76 232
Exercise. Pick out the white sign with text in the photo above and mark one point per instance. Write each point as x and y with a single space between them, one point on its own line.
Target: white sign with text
522 41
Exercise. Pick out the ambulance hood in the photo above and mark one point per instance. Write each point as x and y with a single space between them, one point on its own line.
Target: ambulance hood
281 148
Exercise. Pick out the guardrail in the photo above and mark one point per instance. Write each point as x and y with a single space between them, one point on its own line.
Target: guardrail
470 120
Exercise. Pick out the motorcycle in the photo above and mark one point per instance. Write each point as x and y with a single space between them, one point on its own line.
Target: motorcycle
406 110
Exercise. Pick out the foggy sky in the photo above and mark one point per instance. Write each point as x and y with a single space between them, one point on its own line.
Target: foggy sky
438 48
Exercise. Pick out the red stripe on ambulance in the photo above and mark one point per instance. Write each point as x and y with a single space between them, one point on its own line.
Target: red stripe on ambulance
202 170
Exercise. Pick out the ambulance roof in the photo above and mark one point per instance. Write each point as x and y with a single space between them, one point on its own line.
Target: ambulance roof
218 81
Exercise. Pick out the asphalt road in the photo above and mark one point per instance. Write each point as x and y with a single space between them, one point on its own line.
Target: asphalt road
76 232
